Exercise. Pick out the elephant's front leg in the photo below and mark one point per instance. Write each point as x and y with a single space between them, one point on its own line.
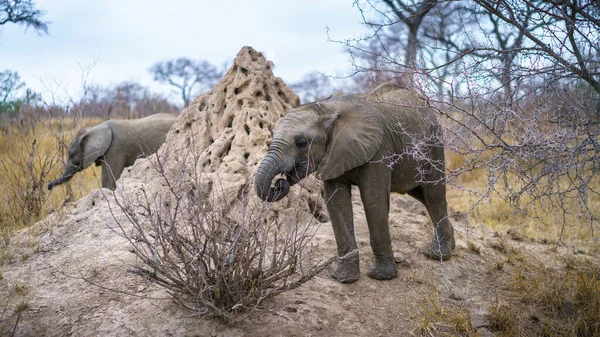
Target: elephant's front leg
375 195
338 197
112 167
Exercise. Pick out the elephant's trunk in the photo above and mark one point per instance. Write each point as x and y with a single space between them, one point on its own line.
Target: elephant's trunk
265 173
70 171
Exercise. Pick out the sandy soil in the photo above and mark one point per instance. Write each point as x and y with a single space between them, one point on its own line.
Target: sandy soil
49 277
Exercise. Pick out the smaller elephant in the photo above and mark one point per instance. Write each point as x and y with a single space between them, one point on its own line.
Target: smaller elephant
115 144
386 141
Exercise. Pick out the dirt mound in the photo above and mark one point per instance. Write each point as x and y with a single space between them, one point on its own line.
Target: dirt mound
225 133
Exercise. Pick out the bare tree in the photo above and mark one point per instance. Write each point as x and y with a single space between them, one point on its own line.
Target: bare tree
565 32
10 84
411 14
522 91
313 86
396 28
124 100
186 76
23 12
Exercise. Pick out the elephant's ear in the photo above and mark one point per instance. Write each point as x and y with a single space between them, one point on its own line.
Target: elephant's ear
355 134
94 143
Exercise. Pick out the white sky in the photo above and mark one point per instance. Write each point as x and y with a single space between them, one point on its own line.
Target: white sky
123 38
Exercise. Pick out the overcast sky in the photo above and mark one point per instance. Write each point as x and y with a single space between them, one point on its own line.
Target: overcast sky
123 38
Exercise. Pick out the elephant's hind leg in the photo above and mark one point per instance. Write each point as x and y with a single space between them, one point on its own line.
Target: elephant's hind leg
375 195
433 196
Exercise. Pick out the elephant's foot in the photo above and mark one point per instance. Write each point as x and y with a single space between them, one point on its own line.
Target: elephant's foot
440 250
384 269
345 269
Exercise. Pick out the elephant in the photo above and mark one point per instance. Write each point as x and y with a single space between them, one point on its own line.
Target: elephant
386 141
115 144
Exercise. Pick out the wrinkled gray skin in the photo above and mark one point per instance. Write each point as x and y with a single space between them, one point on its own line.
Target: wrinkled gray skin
115 144
368 141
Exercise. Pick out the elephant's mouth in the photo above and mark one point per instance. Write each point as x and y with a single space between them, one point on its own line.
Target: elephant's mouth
298 172
281 187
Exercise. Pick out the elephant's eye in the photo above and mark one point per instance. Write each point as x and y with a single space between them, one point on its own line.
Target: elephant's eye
301 143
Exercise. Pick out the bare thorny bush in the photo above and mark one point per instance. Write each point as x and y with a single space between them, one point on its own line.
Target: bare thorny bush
516 86
543 156
214 258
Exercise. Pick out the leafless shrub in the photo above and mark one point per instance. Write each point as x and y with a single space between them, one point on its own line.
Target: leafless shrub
24 175
516 87
214 258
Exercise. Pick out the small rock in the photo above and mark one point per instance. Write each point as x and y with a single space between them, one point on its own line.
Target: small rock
399 257
457 294
480 318
401 260
290 309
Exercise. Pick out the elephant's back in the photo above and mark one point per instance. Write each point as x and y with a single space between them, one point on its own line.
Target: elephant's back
404 111
160 116
150 131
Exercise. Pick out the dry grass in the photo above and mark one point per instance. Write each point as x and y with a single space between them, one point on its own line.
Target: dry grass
473 247
503 321
29 159
535 218
437 319
536 300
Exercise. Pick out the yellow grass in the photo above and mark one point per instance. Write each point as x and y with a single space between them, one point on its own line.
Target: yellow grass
436 319
542 221
28 161
543 301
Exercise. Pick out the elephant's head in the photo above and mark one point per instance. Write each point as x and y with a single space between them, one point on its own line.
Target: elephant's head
87 147
329 137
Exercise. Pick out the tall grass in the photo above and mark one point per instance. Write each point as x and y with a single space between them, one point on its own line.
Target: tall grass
29 159
564 220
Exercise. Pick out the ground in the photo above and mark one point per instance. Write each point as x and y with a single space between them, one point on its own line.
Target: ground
74 278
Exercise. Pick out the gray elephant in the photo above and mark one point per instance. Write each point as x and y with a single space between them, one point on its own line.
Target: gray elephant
115 144
385 141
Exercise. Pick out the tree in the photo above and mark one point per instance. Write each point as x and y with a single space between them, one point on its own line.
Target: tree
10 85
395 31
186 76
23 12
312 87
564 32
17 106
124 100
518 87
